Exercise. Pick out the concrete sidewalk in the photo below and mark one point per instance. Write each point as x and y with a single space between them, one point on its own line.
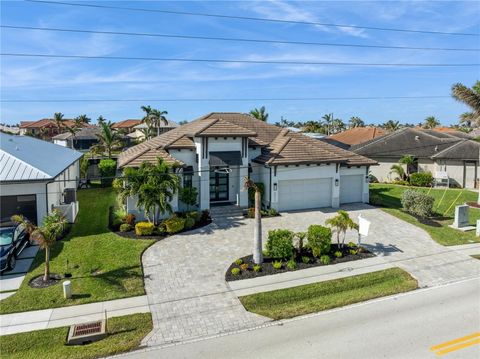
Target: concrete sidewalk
59 317
468 249
308 276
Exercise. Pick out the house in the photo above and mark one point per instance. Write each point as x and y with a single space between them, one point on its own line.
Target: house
36 177
440 153
45 128
139 130
217 151
81 140
356 136
126 126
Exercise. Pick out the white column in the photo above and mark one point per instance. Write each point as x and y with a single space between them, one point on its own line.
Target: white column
336 186
204 178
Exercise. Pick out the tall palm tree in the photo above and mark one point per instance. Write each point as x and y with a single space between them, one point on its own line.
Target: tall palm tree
313 126
328 118
108 139
470 97
337 125
340 223
100 120
58 121
154 118
391 126
84 119
45 235
260 114
430 122
355 121
398 169
257 229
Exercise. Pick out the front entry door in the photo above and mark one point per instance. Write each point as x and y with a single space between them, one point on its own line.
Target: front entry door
219 184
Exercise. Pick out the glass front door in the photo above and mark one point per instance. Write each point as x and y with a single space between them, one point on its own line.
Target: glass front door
219 184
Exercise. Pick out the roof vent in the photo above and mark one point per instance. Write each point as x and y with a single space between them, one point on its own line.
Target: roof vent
417 138
436 148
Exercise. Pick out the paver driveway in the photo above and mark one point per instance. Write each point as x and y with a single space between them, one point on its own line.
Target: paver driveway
184 274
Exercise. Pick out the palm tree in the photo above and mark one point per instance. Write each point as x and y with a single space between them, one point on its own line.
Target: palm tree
328 118
100 120
260 114
257 229
154 118
409 161
470 97
58 121
467 119
84 119
430 122
340 223
398 169
45 235
108 139
391 126
313 126
336 126
355 122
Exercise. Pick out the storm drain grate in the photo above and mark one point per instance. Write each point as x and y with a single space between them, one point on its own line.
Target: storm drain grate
86 332
89 328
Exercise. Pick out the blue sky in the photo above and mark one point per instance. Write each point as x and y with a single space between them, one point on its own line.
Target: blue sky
34 78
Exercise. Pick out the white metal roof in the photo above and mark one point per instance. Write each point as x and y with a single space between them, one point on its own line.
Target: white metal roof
24 158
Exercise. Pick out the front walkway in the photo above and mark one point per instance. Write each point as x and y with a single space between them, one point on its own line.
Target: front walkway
184 274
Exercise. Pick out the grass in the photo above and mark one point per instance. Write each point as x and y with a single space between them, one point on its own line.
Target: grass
445 211
125 334
292 302
104 266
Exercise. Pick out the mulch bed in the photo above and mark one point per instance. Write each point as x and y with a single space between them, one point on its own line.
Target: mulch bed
473 204
131 234
39 283
267 266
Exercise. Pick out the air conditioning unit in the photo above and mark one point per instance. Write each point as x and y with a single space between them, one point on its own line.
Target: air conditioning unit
69 195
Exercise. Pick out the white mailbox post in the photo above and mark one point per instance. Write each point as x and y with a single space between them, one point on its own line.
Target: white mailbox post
363 228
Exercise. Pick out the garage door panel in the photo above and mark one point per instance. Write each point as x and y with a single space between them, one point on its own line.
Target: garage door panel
351 189
305 194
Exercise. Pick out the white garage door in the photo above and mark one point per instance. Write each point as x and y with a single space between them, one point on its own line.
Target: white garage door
351 188
304 194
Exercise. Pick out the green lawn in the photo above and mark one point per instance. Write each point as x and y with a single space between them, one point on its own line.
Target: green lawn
125 334
104 266
291 302
444 211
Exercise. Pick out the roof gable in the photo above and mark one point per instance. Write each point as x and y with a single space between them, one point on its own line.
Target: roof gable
357 135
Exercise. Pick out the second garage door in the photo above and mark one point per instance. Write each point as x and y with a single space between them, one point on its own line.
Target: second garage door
305 194
351 188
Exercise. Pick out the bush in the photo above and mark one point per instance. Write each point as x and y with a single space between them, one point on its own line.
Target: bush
251 212
338 254
291 264
306 259
272 212
235 271
376 200
244 267
257 268
189 223
125 227
239 261
174 224
251 193
205 216
280 243
107 168
319 239
194 215
417 203
421 179
277 264
144 228
352 251
351 245
325 259
130 219
188 195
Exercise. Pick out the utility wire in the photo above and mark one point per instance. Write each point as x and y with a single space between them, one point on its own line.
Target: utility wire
194 37
232 99
249 18
277 62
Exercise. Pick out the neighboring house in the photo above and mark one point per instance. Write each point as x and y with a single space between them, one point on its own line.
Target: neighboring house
45 128
139 135
219 150
36 177
356 136
81 141
126 126
436 152
448 131
13 130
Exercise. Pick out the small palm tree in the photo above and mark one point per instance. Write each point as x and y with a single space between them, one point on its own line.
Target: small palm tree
336 126
355 122
154 118
409 161
260 114
45 235
398 169
430 122
391 126
328 118
58 121
84 119
108 139
340 223
257 229
100 120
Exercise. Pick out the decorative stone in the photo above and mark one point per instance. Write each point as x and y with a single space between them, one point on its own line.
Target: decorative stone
461 218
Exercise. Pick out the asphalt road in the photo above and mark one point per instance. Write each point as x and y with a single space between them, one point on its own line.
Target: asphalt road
405 326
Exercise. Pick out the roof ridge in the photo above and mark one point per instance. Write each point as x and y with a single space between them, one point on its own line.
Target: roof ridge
455 144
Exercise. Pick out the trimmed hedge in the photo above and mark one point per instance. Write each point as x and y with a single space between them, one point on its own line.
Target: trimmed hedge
108 168
280 243
174 224
421 179
144 229
319 239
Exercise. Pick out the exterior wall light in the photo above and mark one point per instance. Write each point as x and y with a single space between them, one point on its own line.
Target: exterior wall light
274 186
336 182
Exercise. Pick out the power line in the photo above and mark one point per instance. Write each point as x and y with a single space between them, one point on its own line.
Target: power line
277 62
195 37
249 18
229 99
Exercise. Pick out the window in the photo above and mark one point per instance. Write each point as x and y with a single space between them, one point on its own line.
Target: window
188 177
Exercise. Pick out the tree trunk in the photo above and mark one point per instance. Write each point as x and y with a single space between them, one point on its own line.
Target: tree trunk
46 276
257 232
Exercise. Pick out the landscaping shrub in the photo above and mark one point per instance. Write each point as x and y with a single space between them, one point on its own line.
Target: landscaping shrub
251 193
189 222
280 243
257 268
325 259
125 227
144 228
351 245
421 179
239 261
375 200
305 259
107 168
277 264
205 216
194 215
417 203
130 219
188 195
291 264
174 224
251 212
352 251
244 267
235 271
338 254
319 239
272 212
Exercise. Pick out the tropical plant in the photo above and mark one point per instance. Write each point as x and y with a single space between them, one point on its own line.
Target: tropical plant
260 114
257 228
188 195
319 239
409 161
108 139
399 171
328 118
84 119
391 126
58 121
154 118
336 126
108 168
355 122
154 184
340 223
280 243
471 98
53 226
101 120
430 122
313 126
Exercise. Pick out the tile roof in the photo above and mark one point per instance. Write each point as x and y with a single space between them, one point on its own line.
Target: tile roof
356 135
280 146
126 123
48 122
89 133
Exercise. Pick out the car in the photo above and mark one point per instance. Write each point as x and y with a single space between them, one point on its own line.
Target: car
13 240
